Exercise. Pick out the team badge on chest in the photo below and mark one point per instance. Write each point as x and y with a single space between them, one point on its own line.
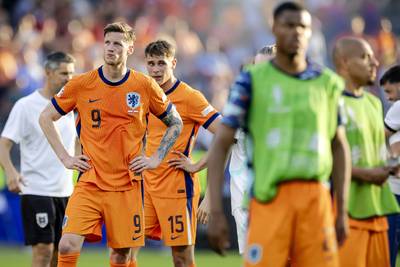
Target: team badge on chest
133 99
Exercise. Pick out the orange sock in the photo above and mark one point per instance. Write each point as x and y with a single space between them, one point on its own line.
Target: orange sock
68 260
119 264
193 265
133 264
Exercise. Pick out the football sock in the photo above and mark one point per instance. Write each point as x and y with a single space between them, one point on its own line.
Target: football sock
68 260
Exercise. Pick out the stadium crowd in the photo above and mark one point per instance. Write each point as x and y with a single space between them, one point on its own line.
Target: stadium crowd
209 50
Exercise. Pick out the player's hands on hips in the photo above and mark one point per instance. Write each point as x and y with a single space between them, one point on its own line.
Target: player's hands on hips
141 163
379 175
341 227
79 163
203 213
14 182
182 162
218 232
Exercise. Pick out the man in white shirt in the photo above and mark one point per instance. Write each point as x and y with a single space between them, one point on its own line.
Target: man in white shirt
240 179
44 183
390 82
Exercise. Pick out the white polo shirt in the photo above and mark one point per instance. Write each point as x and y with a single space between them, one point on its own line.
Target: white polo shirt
238 171
42 171
392 121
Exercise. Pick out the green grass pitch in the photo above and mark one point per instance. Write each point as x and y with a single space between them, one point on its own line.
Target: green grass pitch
20 257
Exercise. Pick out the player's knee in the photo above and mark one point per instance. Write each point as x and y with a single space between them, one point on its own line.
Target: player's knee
134 253
42 253
120 255
68 246
182 256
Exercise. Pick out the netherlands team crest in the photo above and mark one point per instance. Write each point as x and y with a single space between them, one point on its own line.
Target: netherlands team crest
133 99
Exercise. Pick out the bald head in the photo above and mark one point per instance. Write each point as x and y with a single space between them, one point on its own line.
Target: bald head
345 48
354 59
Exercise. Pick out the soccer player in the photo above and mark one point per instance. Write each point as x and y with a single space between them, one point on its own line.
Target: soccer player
172 190
370 199
44 183
113 103
289 107
390 82
239 183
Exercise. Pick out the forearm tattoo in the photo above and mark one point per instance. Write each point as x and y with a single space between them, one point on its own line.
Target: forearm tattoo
174 123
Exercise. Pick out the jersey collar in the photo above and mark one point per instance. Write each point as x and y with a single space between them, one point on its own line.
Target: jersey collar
312 71
173 87
104 79
350 94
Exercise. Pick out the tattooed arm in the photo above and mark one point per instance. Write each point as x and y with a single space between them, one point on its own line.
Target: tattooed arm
174 123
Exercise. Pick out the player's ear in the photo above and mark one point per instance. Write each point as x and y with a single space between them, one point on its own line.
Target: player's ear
174 61
131 49
48 71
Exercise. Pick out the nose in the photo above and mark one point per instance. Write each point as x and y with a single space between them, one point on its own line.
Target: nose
374 62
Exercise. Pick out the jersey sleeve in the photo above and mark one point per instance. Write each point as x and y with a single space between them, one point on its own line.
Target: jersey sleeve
15 128
159 103
65 100
199 110
392 118
395 138
236 109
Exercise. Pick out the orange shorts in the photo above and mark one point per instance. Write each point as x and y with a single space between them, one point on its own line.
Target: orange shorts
297 224
121 211
174 220
367 244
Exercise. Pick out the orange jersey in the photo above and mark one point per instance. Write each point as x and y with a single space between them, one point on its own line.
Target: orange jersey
112 122
195 111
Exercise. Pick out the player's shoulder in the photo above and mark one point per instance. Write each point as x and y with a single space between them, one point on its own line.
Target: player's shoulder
189 92
373 99
395 106
259 67
85 78
140 77
26 100
330 74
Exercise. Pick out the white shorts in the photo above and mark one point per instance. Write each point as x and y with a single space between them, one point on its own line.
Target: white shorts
241 217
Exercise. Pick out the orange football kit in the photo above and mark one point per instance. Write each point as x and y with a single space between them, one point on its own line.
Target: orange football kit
111 125
172 195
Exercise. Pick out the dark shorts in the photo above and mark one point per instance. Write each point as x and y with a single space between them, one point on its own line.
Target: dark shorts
42 218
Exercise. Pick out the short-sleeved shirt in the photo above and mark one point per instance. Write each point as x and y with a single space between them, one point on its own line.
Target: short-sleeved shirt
240 178
43 172
195 111
392 123
112 122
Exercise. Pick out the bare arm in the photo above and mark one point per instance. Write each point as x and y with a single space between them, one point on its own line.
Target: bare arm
14 179
376 175
183 162
379 175
341 176
218 233
46 121
174 125
388 133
